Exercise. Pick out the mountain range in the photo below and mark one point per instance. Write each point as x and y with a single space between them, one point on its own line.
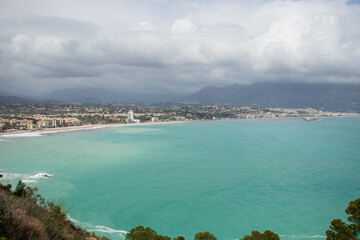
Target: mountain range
336 97
327 96
104 95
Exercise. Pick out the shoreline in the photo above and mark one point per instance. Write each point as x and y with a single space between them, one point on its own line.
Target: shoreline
112 125
83 127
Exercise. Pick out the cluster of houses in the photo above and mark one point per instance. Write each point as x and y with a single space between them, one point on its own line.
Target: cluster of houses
37 122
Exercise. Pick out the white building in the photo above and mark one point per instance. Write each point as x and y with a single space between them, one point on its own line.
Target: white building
154 119
131 115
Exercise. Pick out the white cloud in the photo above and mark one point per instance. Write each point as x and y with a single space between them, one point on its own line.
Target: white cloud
155 48
183 26
145 26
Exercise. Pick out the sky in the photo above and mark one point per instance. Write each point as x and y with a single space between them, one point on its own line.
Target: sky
163 46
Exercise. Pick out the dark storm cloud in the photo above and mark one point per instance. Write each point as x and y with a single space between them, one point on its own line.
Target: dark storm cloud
175 47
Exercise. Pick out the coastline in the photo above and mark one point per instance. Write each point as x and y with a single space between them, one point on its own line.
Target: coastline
112 125
82 127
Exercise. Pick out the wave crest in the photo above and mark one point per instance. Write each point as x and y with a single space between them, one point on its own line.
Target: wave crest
98 228
105 229
32 134
26 178
302 236
29 181
42 175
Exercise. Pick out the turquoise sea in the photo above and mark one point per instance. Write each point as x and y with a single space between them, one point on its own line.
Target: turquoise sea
227 177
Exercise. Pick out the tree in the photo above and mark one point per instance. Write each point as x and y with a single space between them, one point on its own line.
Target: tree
141 233
179 238
6 188
20 190
205 236
339 230
354 211
267 235
160 237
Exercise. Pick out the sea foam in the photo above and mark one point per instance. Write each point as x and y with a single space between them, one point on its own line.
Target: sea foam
98 228
32 134
39 134
29 181
26 178
107 230
41 175
301 236
11 175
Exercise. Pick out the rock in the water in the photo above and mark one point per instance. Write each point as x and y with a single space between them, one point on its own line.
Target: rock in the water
1 175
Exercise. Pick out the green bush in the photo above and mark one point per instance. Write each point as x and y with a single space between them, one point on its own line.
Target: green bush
354 211
20 190
339 230
141 233
204 236
56 220
267 235
179 238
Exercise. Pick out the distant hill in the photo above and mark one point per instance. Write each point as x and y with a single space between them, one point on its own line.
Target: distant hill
4 94
337 97
333 97
103 95
16 99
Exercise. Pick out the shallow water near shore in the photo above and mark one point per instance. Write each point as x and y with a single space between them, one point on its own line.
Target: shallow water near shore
226 177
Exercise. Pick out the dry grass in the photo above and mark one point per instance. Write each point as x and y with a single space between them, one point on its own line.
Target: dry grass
26 215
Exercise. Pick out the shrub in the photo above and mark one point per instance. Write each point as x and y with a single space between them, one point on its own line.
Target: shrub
6 188
205 236
267 235
339 230
141 233
179 238
24 215
20 190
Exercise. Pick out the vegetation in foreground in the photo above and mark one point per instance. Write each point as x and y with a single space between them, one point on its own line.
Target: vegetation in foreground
142 233
340 230
24 214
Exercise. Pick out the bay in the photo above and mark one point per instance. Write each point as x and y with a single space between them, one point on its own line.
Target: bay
227 177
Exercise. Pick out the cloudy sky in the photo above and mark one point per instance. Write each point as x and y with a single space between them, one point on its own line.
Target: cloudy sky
175 46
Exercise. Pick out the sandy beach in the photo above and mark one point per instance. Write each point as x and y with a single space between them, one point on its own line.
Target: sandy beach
82 127
97 126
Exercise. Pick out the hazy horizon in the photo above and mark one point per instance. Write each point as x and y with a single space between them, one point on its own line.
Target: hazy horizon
175 47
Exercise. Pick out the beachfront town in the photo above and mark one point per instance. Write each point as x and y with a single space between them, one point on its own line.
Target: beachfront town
31 117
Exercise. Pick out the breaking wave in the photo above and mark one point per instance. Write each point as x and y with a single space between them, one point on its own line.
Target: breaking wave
29 181
32 134
26 178
107 230
98 228
9 176
39 134
41 175
302 236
